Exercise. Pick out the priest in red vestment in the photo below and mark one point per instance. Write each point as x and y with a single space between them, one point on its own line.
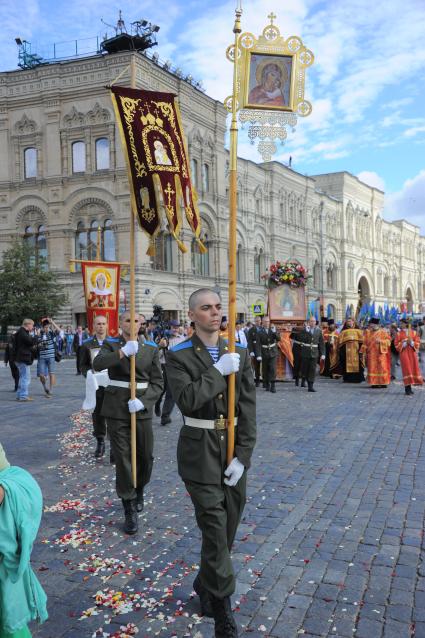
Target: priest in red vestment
407 343
377 351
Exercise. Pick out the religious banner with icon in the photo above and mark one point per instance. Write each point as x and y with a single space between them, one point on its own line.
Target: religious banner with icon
101 282
269 92
157 162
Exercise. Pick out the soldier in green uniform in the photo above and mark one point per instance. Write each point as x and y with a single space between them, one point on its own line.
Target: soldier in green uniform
87 352
197 371
117 405
312 347
268 338
254 349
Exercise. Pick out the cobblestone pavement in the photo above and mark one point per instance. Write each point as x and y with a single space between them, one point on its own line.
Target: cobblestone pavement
331 538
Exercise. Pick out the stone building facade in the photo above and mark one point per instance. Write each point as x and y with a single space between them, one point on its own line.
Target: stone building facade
62 175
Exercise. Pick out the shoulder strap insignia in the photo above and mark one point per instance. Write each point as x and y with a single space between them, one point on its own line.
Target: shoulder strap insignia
182 346
150 343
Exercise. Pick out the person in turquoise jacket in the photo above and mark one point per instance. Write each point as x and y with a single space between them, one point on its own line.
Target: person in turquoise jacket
22 598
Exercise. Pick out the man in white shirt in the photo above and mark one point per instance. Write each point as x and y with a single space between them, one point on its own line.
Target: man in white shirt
240 335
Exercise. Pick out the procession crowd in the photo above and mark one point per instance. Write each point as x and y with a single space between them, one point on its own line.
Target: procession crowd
185 365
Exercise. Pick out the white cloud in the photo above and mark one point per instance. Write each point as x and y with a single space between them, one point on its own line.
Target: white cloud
409 202
412 132
372 179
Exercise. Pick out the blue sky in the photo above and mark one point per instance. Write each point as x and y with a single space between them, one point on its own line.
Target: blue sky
367 85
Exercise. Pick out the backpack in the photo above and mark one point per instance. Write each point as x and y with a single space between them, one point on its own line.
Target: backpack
12 347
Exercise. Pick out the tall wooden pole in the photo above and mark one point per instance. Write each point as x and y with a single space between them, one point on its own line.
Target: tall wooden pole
133 335
233 202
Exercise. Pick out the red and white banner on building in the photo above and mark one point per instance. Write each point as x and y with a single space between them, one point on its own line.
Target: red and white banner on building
101 282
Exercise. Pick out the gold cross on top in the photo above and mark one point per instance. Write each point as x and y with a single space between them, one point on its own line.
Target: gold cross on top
169 191
271 17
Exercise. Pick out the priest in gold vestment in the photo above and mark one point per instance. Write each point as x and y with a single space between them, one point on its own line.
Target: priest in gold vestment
349 351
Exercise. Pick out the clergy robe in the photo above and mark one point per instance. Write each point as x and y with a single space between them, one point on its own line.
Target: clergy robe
377 350
409 356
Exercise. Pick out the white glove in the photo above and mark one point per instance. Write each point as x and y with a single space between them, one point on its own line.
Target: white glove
93 381
130 348
234 472
412 343
259 358
228 363
135 405
323 357
252 354
404 344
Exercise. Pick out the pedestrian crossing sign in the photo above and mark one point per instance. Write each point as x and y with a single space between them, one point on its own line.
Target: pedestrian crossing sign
257 309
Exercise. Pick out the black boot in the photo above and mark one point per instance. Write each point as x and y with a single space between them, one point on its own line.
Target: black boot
204 597
310 386
303 383
130 512
225 625
100 449
140 500
267 387
273 387
158 408
257 383
297 381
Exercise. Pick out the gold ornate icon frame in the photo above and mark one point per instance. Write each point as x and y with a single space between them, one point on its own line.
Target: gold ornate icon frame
269 109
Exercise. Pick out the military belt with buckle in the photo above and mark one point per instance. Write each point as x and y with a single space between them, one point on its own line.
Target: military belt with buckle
208 424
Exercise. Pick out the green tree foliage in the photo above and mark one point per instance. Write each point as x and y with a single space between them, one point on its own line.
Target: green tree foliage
27 288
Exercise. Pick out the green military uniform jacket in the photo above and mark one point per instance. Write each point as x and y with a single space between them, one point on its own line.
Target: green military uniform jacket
315 345
268 337
200 391
88 351
148 370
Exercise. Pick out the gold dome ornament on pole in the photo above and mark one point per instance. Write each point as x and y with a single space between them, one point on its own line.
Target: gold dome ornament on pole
268 93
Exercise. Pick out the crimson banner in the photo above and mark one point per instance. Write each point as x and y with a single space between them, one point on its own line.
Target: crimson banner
101 280
157 161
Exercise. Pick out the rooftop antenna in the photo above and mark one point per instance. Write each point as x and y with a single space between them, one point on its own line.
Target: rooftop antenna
120 25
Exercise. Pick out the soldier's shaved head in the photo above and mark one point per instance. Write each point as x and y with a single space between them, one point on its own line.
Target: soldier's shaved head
196 297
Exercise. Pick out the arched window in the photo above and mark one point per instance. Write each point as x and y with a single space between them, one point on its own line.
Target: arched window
200 261
394 287
102 154
205 178
194 172
331 276
108 241
259 265
89 235
78 157
386 286
351 275
30 163
36 239
239 263
316 274
163 258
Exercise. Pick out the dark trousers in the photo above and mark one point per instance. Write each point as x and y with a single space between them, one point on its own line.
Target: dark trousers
257 369
99 421
14 372
308 368
77 359
269 370
169 402
218 511
119 434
